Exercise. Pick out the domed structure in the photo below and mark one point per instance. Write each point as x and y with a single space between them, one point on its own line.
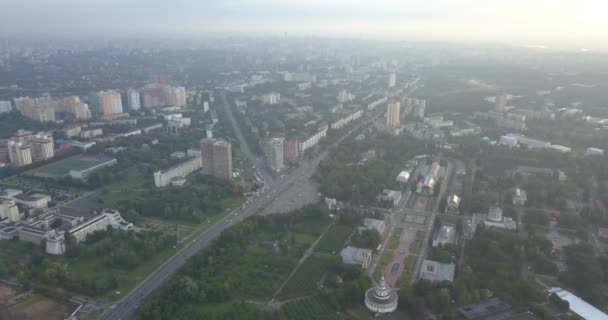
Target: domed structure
381 298
495 214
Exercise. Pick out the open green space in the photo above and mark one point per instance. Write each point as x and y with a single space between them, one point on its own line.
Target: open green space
198 202
63 167
408 265
317 307
304 281
415 246
385 259
395 239
334 239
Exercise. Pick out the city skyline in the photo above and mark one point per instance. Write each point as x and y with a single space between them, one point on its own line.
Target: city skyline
538 24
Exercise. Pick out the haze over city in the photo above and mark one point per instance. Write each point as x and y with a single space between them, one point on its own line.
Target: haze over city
571 24
303 160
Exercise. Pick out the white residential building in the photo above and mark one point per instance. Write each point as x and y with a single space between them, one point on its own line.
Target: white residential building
164 178
274 154
356 256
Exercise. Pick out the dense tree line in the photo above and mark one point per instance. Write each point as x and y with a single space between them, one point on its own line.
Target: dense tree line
224 273
586 272
192 203
119 251
345 178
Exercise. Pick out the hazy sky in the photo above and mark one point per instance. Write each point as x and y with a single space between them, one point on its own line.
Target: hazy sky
580 22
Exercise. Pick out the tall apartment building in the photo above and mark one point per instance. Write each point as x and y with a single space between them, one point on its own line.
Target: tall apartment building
42 147
22 136
133 99
274 154
77 108
501 102
174 96
5 106
271 98
290 150
392 80
217 157
110 102
40 113
392 114
23 102
152 96
19 153
4 151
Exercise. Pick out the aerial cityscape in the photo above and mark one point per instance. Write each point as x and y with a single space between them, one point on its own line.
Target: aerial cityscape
271 170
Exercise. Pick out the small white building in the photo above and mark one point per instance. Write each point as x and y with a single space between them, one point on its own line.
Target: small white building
381 299
393 196
494 219
372 224
594 152
445 235
403 177
453 204
356 256
520 197
436 271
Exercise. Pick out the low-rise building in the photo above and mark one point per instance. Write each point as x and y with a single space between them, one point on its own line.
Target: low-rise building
381 299
372 224
163 178
594 152
356 256
34 201
98 223
393 196
520 197
436 271
445 235
100 163
453 204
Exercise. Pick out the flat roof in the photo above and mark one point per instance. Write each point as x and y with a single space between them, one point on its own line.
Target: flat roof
579 306
87 223
483 309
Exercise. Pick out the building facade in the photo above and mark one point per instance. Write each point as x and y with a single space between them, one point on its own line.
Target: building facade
164 178
217 158
110 102
274 154
133 100
42 147
392 114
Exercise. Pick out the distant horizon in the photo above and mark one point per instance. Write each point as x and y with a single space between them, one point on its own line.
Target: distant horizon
572 24
46 37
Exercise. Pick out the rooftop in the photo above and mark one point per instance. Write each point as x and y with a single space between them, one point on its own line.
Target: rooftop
436 271
579 306
446 234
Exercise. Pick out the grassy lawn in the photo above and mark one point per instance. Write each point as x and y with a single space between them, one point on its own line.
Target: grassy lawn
404 278
93 315
334 239
314 307
415 246
387 256
393 242
304 281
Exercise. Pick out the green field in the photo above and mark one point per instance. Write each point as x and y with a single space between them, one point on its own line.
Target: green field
318 307
415 246
395 239
334 239
304 281
63 167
